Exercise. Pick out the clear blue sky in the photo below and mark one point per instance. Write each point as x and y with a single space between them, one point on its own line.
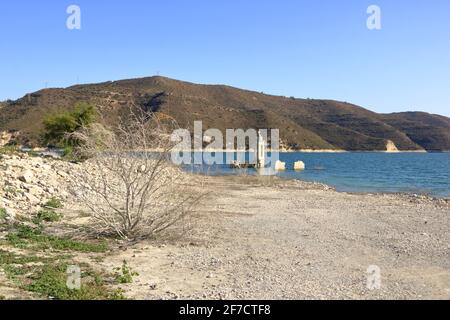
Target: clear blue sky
302 48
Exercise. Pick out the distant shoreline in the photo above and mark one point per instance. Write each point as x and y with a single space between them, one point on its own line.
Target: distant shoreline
310 151
280 151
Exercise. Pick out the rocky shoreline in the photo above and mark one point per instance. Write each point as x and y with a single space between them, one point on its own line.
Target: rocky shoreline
26 182
261 238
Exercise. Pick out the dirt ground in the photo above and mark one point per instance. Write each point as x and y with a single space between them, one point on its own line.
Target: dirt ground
296 240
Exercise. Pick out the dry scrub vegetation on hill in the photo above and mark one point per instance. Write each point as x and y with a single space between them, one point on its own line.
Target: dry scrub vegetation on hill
303 123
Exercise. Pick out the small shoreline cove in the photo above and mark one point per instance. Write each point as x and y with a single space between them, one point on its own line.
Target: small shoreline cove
360 172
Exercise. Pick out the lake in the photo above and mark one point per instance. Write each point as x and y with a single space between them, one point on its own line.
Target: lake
421 173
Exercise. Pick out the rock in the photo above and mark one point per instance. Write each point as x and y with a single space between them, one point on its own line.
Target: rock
50 190
44 167
32 199
35 190
27 176
391 147
5 138
62 174
280 166
9 215
299 166
208 139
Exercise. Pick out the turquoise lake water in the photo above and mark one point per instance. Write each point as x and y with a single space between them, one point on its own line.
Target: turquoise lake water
422 173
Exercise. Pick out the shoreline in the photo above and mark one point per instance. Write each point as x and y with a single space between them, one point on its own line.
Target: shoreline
304 151
25 149
331 187
255 237
51 153
299 241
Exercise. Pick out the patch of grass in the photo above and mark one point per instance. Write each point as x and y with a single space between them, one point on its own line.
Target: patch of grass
2 213
68 153
11 190
47 216
15 271
51 281
54 203
26 237
12 258
9 150
125 274
48 277
15 265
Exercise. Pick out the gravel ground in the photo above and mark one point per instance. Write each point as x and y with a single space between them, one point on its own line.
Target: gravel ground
295 240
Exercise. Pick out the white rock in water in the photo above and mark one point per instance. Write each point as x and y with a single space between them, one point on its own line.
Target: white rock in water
299 166
280 166
27 176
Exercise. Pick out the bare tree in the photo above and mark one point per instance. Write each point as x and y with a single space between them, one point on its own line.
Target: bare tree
130 186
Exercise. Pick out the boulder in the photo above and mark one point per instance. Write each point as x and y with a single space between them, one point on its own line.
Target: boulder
5 138
50 190
280 166
31 199
34 190
299 166
62 174
27 176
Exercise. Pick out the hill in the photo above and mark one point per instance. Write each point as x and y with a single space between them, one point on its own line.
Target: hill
303 123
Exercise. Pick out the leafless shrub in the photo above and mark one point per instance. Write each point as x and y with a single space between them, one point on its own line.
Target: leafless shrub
130 185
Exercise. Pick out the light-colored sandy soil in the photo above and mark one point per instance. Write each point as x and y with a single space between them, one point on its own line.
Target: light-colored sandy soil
261 239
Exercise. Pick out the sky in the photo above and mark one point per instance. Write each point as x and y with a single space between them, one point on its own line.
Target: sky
303 48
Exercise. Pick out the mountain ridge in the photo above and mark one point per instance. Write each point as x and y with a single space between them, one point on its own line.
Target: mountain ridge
304 123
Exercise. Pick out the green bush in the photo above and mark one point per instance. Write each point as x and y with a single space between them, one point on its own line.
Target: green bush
125 274
9 150
59 126
2 213
51 281
53 203
47 216
47 277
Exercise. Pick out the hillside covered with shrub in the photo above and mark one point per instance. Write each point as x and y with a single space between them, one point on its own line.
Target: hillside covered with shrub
303 123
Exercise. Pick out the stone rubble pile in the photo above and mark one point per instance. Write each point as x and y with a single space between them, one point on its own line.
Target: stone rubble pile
26 183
